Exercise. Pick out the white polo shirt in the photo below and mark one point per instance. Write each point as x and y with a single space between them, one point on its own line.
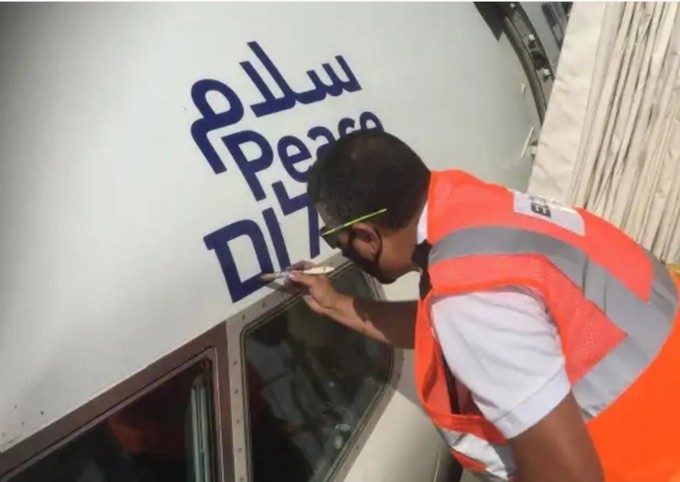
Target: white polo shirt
503 346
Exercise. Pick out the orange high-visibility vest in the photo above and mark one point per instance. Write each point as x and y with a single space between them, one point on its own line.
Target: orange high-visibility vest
615 307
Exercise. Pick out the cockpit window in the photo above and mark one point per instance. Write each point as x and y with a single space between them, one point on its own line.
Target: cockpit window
165 435
311 384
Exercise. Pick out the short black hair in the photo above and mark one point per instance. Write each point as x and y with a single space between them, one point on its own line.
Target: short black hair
365 171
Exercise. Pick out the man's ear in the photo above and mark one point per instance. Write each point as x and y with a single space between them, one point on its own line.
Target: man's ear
367 233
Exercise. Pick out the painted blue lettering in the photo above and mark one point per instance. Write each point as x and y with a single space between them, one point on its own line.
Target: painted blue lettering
320 131
212 120
290 159
250 167
317 93
367 117
336 87
270 104
290 205
218 241
345 125
321 89
277 237
314 230
352 84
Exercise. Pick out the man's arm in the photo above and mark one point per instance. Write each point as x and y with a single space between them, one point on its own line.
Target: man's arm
557 449
503 346
390 322
387 322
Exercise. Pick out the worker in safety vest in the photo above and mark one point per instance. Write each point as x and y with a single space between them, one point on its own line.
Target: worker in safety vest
546 340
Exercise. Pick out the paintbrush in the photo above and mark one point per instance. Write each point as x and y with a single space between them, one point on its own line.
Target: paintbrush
317 270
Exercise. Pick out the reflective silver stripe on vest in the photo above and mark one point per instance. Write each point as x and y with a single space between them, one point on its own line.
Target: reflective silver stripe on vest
647 323
498 459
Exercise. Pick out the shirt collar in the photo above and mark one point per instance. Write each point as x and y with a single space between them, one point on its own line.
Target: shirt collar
421 253
421 234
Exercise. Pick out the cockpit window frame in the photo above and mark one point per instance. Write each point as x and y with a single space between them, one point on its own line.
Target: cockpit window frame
265 309
211 346
222 347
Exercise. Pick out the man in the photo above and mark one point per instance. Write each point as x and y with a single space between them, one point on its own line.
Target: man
545 339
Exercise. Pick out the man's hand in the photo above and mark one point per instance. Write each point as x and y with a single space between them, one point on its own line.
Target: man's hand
384 321
317 290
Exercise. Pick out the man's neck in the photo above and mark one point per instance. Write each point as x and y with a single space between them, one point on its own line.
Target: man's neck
418 235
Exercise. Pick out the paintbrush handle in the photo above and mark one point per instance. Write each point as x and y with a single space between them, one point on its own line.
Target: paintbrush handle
317 270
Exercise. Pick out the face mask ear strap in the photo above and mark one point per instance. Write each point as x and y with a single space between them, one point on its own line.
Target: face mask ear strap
372 266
